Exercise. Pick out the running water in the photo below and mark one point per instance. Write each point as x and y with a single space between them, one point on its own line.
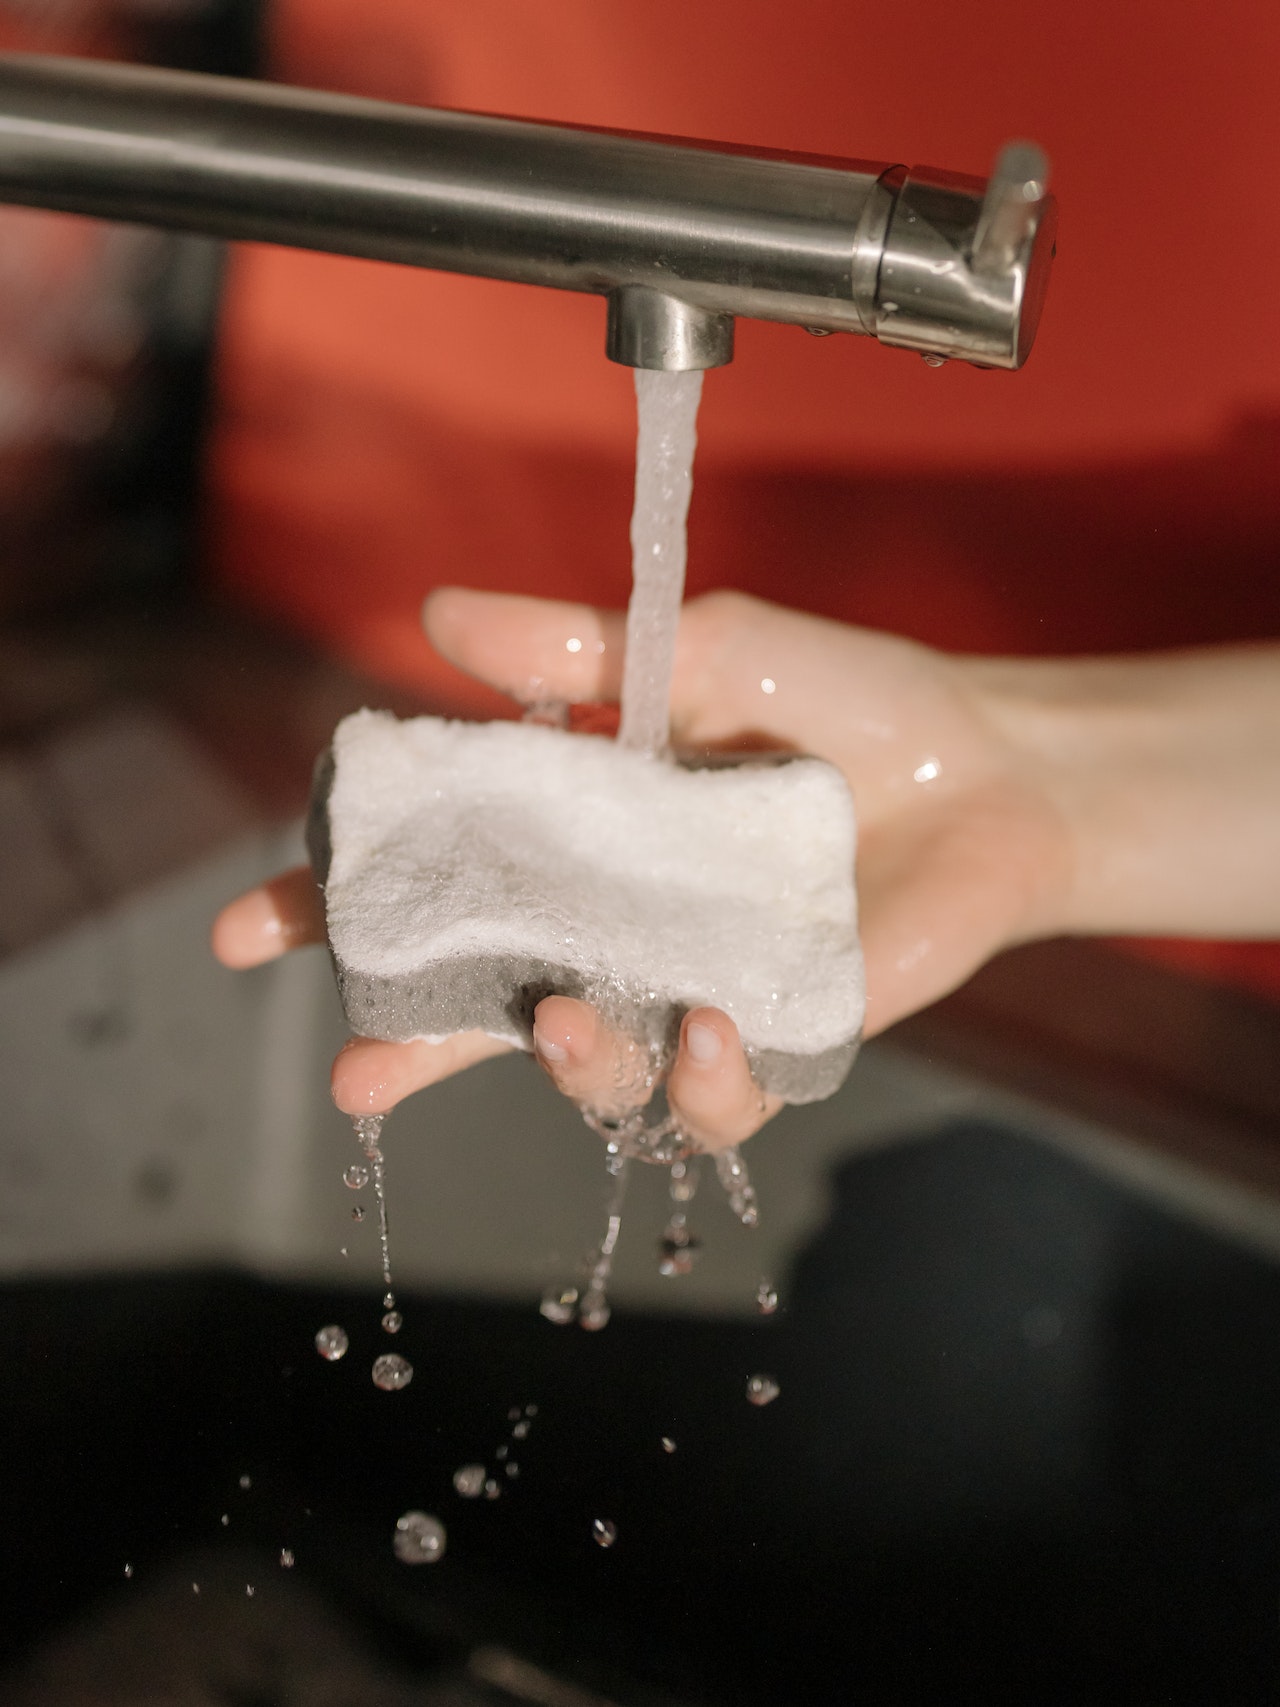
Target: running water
369 1133
666 416
560 1304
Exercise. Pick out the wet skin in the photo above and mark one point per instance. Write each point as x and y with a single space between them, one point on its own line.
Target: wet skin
998 801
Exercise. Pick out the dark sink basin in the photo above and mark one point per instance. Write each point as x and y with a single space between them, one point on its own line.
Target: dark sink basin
1027 1449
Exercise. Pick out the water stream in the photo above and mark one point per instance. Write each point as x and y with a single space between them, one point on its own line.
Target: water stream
666 437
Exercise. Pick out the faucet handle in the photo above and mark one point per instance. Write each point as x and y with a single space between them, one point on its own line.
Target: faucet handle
1011 207
965 263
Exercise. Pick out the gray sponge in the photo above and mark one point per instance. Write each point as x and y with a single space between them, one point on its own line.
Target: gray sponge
469 870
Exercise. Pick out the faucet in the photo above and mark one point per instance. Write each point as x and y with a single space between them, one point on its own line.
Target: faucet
680 237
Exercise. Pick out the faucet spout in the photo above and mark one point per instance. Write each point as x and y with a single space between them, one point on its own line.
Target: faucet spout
648 328
680 237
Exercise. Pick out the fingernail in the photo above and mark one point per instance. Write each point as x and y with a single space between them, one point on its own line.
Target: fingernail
703 1043
548 1048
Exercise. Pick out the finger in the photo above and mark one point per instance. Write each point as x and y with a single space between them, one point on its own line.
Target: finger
266 922
710 1089
370 1077
598 1068
532 649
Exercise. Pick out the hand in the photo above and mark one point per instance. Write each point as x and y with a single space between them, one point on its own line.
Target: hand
961 851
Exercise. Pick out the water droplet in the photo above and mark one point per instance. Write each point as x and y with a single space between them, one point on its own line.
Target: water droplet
766 1297
604 1533
469 1481
392 1322
531 1410
225 1520
491 1489
195 1588
128 1570
419 1539
286 1558
357 1211
356 1176
677 1252
931 360
332 1342
513 1470
762 1390
250 1590
558 1304
342 1250
520 1431
594 1317
513 1415
388 1300
768 685
246 1481
668 1445
501 1453
391 1373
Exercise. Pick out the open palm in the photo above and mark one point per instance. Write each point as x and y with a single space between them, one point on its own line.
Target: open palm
960 850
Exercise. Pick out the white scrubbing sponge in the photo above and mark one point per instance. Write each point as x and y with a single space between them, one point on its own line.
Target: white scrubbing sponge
471 869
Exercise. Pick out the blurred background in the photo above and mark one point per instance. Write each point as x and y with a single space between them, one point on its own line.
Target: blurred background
1036 1236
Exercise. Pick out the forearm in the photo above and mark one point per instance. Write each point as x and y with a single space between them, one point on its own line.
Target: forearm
1165 773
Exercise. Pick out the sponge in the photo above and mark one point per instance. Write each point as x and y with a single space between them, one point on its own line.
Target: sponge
469 870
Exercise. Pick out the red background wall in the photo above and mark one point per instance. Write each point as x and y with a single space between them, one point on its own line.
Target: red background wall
382 430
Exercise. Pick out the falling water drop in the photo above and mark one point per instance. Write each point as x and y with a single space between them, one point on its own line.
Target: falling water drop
520 1431
356 1176
558 1304
332 1342
392 1373
762 1390
469 1481
392 1322
513 1470
368 1129
668 1445
419 1539
603 1533
286 1558
492 1488
357 1211
766 1297
246 1481
128 1570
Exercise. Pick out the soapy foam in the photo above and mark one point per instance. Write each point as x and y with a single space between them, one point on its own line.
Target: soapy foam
471 869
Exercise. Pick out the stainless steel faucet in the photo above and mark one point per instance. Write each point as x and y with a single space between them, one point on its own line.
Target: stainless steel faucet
680 237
